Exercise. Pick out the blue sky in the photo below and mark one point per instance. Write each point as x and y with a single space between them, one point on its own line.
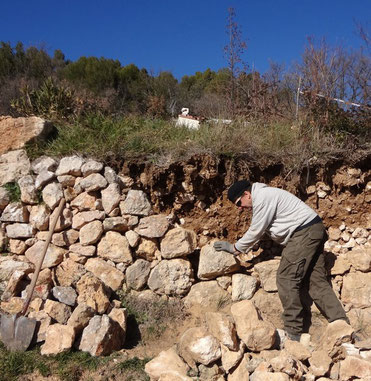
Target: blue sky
180 36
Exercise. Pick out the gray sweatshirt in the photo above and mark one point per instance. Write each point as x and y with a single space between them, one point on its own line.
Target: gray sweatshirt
275 212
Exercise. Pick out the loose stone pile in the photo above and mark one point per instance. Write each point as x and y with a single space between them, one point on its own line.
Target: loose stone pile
108 239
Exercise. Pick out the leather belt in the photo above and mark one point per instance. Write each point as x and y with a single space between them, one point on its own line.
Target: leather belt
310 223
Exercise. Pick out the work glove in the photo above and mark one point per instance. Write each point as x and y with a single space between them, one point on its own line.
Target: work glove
224 246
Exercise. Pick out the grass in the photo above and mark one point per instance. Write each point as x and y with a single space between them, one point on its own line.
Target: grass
14 191
160 141
133 369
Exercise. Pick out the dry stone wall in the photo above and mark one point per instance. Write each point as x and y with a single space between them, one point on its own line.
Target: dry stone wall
109 239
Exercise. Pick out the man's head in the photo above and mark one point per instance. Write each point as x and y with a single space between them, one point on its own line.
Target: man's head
240 194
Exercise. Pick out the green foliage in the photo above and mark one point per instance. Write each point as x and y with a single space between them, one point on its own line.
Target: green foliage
50 100
14 191
133 369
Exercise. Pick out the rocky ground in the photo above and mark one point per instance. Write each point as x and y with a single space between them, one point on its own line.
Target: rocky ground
137 240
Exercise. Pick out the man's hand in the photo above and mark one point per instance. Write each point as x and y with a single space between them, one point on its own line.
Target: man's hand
224 246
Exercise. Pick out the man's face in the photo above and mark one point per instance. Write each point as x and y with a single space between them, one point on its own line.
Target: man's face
245 201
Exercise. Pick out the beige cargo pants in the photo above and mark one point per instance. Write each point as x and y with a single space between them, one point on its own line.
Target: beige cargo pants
303 265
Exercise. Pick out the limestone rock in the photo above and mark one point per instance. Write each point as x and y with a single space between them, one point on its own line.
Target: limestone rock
64 221
19 231
66 238
52 194
207 294
357 289
111 197
171 277
334 233
44 163
28 190
297 350
243 287
101 337
360 259
58 338
66 295
147 249
17 246
153 226
320 363
13 165
241 372
70 165
221 326
166 362
4 198
91 233
8 265
120 316
231 358
39 217
86 251
215 263
137 274
119 224
197 345
54 255
15 212
57 311
14 284
84 201
341 265
93 182
67 180
68 273
354 367
44 178
136 203
256 333
178 242
267 271
44 322
108 274
115 247
83 218
92 293
90 167
12 306
133 238
80 317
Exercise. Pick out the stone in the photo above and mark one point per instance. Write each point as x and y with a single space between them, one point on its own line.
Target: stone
334 234
12 306
13 165
54 255
137 274
111 276
82 218
115 247
197 345
356 289
91 233
28 190
222 327
120 316
255 333
243 287
15 212
91 166
110 175
231 358
284 363
84 201
70 165
354 367
20 231
3 239
86 251
93 182
66 238
208 295
44 322
210 372
68 273
178 242
57 311
341 265
267 271
92 292
111 197
241 372
44 178
58 338
39 217
335 334
133 238
171 277
147 249
224 281
8 265
66 295
136 203
52 194
360 320
67 180
17 246
166 362
80 317
101 337
44 163
360 259
4 198
153 226
119 224
297 350
215 263
14 284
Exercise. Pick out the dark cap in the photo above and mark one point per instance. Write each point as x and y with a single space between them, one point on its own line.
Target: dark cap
237 189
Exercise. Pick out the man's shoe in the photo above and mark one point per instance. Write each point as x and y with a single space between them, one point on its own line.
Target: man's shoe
293 336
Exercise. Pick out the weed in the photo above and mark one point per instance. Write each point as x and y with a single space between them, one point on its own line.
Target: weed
222 302
14 191
133 369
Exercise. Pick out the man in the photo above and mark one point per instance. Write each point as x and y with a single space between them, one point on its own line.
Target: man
293 224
